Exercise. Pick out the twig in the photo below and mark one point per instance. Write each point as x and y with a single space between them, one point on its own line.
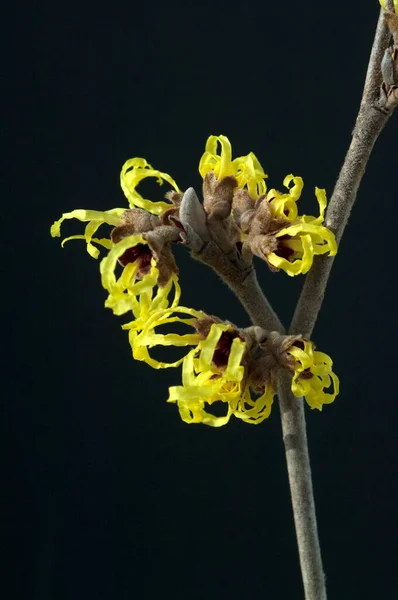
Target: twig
370 122
244 284
302 494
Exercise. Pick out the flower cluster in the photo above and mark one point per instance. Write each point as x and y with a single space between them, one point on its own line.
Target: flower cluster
222 364
269 224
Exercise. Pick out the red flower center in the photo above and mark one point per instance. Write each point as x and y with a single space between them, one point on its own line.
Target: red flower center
140 252
223 348
282 250
306 374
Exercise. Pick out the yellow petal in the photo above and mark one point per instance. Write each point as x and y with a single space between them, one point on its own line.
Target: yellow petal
300 265
208 346
112 217
261 407
202 387
132 173
212 161
312 388
322 201
94 252
297 187
108 264
141 353
247 169
95 220
147 338
235 371
323 239
250 174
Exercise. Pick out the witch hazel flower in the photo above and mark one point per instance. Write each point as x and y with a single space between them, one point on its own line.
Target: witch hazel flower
221 364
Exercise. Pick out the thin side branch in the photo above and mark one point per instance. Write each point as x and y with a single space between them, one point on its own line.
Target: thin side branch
244 284
369 124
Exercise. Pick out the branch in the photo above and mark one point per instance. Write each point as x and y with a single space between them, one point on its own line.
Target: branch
302 493
243 283
369 124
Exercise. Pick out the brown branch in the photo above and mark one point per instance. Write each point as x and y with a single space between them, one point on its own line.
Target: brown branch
370 122
243 282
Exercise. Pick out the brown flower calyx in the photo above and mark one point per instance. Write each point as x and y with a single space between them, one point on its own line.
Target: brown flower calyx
217 196
256 221
203 325
158 237
168 216
266 351
269 357
223 348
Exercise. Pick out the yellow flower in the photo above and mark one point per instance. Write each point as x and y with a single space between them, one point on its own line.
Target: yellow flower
298 242
133 172
306 237
313 374
205 383
137 287
246 169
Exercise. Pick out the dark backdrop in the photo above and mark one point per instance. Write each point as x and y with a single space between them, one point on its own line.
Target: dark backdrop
108 494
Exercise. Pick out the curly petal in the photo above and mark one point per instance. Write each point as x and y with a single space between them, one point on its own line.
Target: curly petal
147 338
284 206
246 169
132 173
95 219
312 375
254 411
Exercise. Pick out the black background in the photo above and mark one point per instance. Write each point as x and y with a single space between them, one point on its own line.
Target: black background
108 494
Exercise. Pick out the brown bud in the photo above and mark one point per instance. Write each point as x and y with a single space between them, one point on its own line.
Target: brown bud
261 245
134 221
217 196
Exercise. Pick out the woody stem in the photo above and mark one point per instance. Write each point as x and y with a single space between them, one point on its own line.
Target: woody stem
369 124
243 283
